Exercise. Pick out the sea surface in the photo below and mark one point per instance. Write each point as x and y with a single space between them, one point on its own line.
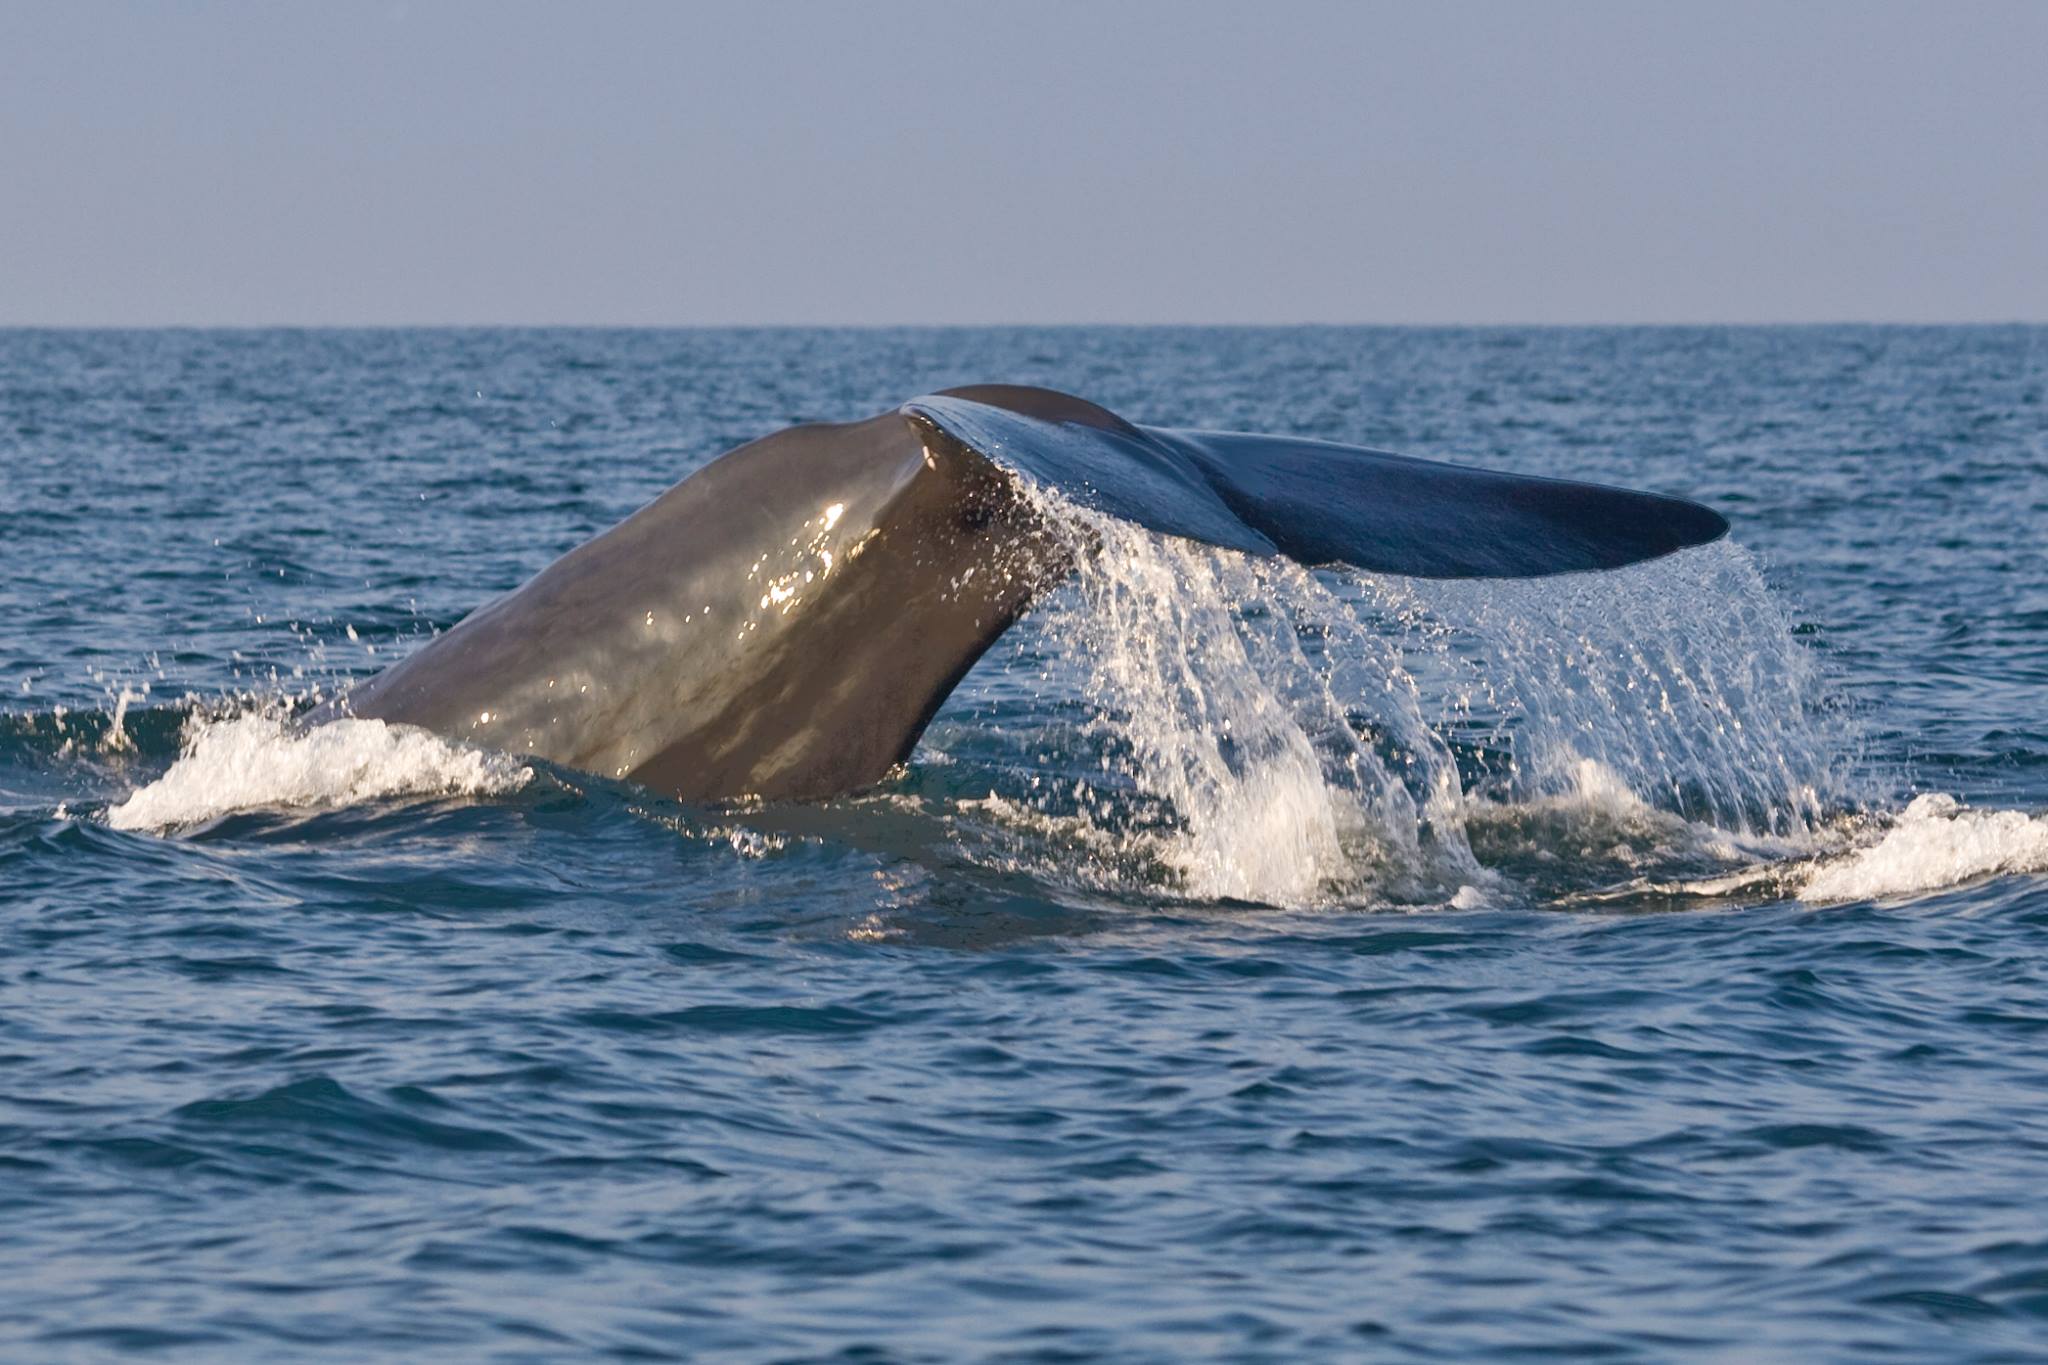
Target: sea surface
1251 964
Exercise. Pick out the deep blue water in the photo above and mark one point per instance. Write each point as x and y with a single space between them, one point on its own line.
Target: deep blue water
1662 1031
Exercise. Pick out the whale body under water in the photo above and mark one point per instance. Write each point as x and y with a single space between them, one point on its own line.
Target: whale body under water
786 621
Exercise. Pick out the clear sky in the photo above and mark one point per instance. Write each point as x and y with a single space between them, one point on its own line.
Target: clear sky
1028 161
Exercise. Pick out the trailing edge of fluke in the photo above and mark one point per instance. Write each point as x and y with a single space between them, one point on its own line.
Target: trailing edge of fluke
783 623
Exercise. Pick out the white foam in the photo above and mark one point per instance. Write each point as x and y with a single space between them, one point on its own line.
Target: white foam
1936 843
255 761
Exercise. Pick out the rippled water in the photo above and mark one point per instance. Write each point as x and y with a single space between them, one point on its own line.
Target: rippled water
1251 964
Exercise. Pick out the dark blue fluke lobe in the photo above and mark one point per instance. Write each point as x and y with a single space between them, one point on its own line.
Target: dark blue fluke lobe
1316 501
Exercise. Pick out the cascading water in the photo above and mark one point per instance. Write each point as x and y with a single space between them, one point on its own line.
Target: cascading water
1678 679
1269 733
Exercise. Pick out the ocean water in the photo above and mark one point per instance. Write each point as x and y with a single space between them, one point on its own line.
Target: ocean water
1252 964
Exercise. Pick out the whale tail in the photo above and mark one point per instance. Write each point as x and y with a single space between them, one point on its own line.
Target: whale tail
785 622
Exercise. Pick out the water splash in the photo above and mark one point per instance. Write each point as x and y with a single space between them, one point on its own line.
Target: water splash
1201 685
1680 678
247 761
1268 733
1935 843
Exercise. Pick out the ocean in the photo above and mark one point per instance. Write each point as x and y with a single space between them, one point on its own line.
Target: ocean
1251 964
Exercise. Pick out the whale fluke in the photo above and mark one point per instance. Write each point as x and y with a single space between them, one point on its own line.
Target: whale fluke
784 623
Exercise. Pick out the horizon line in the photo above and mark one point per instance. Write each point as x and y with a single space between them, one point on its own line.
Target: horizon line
988 326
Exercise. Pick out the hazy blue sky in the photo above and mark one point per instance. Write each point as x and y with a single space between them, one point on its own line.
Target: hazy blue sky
1023 161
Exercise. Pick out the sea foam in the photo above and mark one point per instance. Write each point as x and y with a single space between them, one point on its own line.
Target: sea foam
1936 843
256 761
